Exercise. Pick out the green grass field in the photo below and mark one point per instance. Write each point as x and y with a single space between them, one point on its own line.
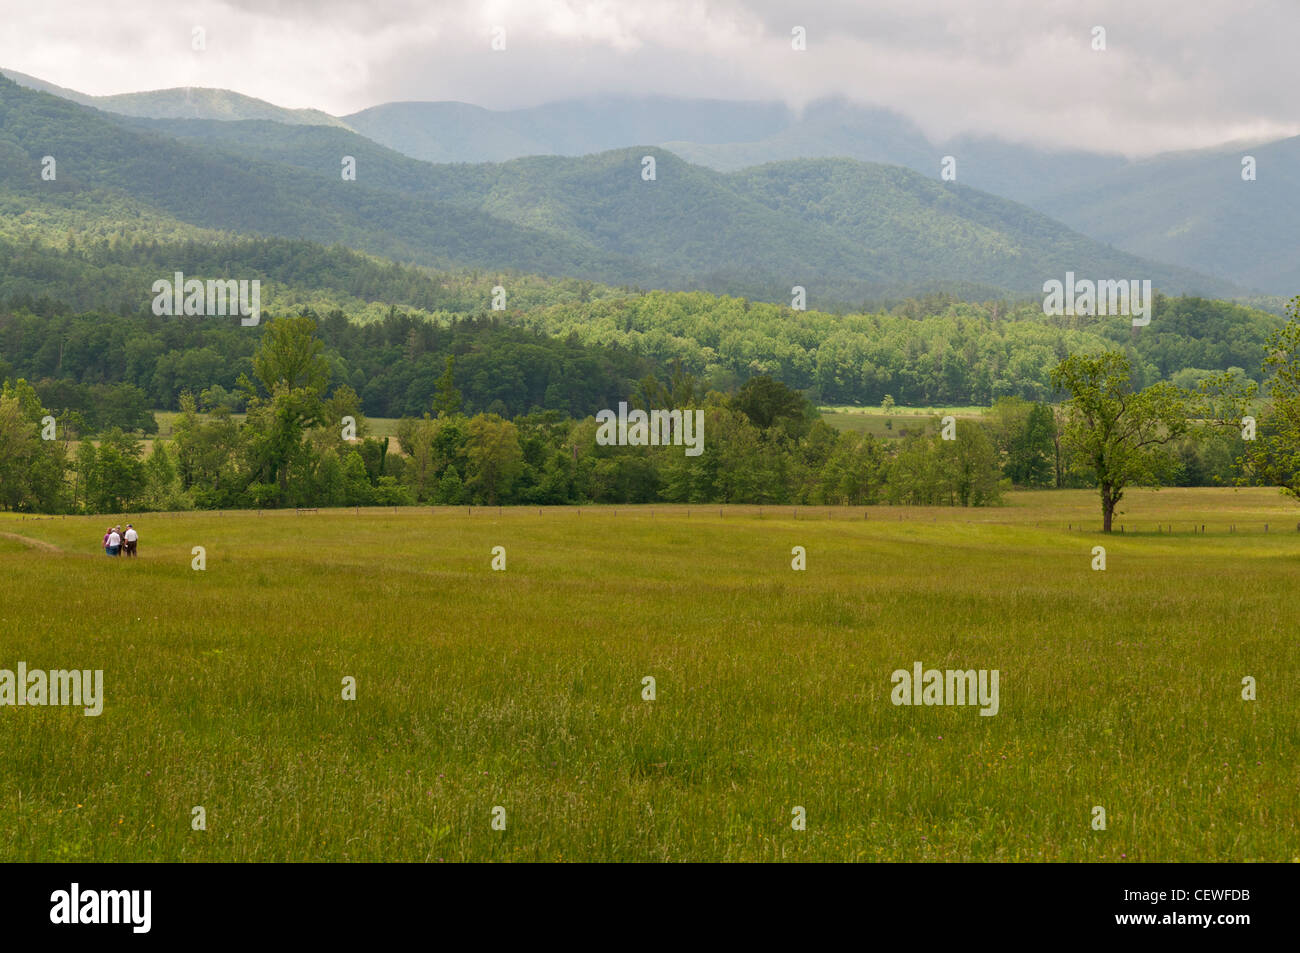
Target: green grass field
523 689
379 426
891 423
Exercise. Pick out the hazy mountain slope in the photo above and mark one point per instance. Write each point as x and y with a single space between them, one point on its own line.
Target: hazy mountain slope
825 129
688 223
444 132
183 103
457 132
1185 209
211 188
835 128
869 227
40 85
722 135
934 229
1195 208
845 231
685 229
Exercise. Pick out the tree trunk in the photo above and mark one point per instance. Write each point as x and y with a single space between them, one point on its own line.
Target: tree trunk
1056 446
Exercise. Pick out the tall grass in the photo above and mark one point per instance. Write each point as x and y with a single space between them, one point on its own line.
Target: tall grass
523 689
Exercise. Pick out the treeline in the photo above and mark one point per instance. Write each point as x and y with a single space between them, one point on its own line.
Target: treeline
932 350
584 355
937 352
112 368
762 445
305 442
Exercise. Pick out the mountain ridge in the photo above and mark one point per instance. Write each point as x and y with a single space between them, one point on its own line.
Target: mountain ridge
593 217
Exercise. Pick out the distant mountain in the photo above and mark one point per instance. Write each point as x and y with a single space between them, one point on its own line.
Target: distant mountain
116 165
1191 209
183 103
721 134
835 128
457 132
856 228
1185 209
1196 209
845 230
930 230
31 82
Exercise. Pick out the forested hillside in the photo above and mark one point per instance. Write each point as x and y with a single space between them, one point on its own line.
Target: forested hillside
1190 209
116 272
184 103
202 186
1197 209
936 350
595 218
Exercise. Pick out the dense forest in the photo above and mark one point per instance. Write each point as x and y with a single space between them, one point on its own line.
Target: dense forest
80 313
936 351
304 441
578 357
148 362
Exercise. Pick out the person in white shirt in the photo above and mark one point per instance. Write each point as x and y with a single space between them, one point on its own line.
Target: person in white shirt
114 544
129 539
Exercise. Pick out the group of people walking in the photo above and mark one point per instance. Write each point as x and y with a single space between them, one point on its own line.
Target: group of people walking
118 543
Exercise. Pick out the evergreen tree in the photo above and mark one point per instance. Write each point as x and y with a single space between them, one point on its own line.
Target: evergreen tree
447 401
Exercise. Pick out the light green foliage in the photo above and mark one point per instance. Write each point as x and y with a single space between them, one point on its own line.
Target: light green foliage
1115 432
31 469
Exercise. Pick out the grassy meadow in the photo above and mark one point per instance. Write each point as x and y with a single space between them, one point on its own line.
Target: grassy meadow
378 426
887 423
523 689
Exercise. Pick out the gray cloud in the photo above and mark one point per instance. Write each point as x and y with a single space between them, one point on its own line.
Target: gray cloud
1174 75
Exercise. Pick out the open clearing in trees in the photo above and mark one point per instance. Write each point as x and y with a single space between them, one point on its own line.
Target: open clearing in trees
522 689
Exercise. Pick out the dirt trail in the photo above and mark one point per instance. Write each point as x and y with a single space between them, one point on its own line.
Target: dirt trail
34 543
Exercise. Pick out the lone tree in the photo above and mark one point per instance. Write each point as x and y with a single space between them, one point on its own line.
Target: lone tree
1114 431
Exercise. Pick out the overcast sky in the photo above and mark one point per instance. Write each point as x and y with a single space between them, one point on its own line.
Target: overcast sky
1175 73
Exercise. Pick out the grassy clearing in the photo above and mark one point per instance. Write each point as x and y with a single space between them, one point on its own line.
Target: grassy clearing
890 422
379 426
523 689
880 411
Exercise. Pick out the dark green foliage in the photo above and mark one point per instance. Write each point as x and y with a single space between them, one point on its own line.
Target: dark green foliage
113 369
